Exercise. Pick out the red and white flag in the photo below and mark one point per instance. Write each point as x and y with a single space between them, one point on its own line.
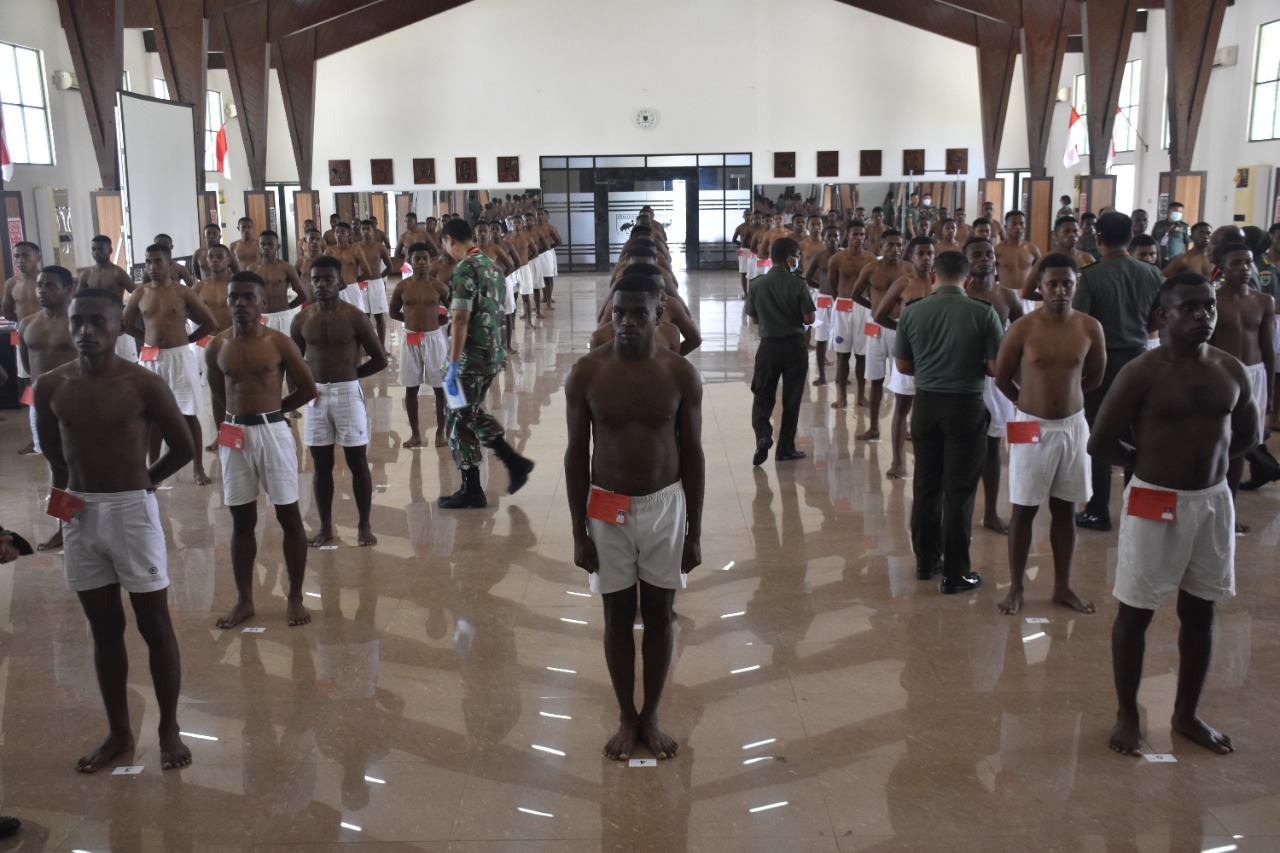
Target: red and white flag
1119 130
221 159
6 162
1077 138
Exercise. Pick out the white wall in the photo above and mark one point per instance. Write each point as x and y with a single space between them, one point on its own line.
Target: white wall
724 75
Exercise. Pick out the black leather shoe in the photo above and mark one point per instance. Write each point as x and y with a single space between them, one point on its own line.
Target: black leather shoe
8 826
923 574
790 455
1257 482
762 451
1092 522
964 583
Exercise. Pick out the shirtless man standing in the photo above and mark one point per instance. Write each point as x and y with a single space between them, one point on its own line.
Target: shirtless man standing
44 341
416 302
213 289
412 234
741 238
997 230
341 348
245 250
105 275
312 247
916 285
1048 360
20 301
982 285
330 237
818 276
875 228
522 248
538 243
97 401
847 317
635 475
157 316
1015 257
948 241
870 288
499 254
280 278
1187 408
550 269
200 260
355 267
1195 259
1245 329
177 271
375 252
247 366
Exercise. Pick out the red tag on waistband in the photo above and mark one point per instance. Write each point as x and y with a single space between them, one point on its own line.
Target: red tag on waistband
13 339
232 436
413 339
28 397
1023 432
1155 504
204 342
149 353
871 330
823 301
608 506
64 506
844 305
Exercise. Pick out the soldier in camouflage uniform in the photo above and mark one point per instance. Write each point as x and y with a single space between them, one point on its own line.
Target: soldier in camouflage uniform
475 356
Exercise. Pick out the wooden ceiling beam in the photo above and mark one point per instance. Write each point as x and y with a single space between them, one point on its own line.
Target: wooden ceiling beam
295 60
930 15
182 40
997 51
1044 42
243 30
95 37
375 20
1108 32
1192 28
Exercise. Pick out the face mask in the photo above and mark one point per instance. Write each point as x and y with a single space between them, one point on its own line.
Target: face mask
1175 216
794 266
928 202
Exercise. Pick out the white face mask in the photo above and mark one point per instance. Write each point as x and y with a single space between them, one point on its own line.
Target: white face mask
1175 216
928 202
794 266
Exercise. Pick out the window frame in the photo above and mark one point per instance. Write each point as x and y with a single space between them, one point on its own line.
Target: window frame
1131 111
1079 93
25 108
1258 85
211 128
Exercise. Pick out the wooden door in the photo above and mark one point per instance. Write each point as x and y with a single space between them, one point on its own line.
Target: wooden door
990 190
15 223
1040 207
207 207
260 206
108 220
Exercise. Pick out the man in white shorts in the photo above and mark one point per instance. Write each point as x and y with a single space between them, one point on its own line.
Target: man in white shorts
550 267
1049 359
107 504
1187 408
638 528
247 366
157 315
341 348
416 303
375 292
900 294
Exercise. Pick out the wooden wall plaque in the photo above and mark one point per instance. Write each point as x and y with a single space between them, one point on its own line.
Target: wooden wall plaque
382 171
424 170
913 161
869 165
828 164
508 170
957 161
465 170
340 173
784 164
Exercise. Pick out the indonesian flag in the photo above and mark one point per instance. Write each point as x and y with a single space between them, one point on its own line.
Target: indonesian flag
1121 125
1077 138
6 163
221 160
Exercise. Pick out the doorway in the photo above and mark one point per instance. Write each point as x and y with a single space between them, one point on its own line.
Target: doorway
673 195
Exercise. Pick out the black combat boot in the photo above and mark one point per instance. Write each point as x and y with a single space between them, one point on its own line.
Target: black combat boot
518 467
470 496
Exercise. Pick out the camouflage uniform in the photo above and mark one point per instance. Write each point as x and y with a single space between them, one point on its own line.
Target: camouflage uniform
922 218
476 286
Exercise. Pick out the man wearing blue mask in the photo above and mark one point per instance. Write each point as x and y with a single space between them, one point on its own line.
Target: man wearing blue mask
1172 234
779 302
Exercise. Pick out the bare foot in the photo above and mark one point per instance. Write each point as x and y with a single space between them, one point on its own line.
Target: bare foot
1069 598
202 479
364 536
840 404
896 472
212 447
242 611
441 441
820 381
1198 731
869 435
322 538
995 525
54 541
1012 602
1125 737
173 752
1242 528
298 615
862 402
414 441
660 743
621 745
27 449
107 751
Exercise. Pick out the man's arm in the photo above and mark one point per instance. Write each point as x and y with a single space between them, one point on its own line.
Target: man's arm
363 271
24 356
1095 361
1116 417
133 322
217 381
200 314
396 308
297 369
1008 360
1267 343
182 274
883 314
47 429
369 341
1244 417
9 305
301 288
859 294
690 334
162 410
693 473
577 465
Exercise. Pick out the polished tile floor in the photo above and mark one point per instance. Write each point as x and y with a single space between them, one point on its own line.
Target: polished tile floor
451 693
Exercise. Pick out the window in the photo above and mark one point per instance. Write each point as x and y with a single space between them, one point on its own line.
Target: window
159 88
1126 131
1082 107
1265 120
212 122
124 80
24 105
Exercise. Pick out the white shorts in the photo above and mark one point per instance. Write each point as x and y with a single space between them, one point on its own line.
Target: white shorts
649 546
1261 382
899 382
1152 343
35 437
269 458
848 330
23 373
822 324
337 416
127 348
1195 552
116 538
376 296
178 368
759 267
879 353
548 259
526 279
354 295
999 407
743 258
420 364
512 283
536 267
1055 467
279 320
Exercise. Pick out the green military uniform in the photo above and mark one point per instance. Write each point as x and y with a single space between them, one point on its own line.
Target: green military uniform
1173 238
779 301
923 218
1268 278
476 286
949 338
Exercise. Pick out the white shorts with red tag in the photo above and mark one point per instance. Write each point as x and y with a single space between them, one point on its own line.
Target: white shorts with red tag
267 459
647 546
999 407
420 364
116 538
336 416
1195 552
879 353
899 382
280 320
127 348
1057 466
376 296
178 368
848 329
744 257
354 294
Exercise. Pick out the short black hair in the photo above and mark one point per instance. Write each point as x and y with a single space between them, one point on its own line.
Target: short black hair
1014 212
1091 217
457 229
889 232
1114 229
951 266
783 248
161 248
855 223
419 247
1064 220
251 277
981 220
107 296
340 225
101 238
63 274
1143 240
919 241
268 233
1222 253
243 219
971 241
636 282
643 268
327 261
1182 279
1055 260
1202 224
213 246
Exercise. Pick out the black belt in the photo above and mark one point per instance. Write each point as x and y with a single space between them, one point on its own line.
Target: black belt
950 395
255 420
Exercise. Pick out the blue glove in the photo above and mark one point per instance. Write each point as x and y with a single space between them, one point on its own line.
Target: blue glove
451 378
